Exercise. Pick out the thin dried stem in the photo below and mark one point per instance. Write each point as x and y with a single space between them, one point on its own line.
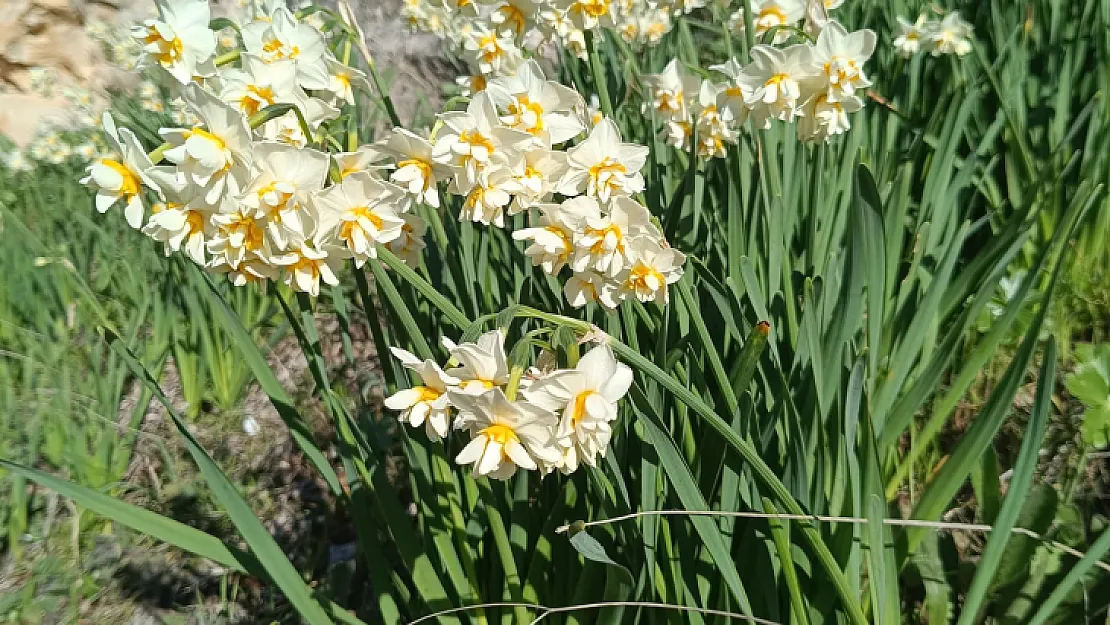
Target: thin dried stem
547 611
937 525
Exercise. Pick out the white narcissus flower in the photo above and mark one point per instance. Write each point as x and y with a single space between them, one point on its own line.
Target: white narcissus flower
258 84
553 237
252 270
360 212
471 139
714 125
416 172
537 172
427 404
482 365
769 14
307 265
217 156
654 25
487 201
514 18
825 119
410 243
587 286
179 40
840 55
343 80
506 435
603 244
952 35
910 36
777 80
285 175
540 107
119 180
491 52
602 166
677 134
239 238
671 92
653 268
362 159
182 221
733 98
586 398
589 14
282 37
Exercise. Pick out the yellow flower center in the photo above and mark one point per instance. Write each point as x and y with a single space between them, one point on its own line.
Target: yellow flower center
593 8
522 105
350 225
773 16
578 411
254 98
490 47
171 49
500 434
130 186
426 394
845 69
195 222
670 102
777 79
486 384
513 18
608 169
601 234
424 166
475 139
283 196
638 277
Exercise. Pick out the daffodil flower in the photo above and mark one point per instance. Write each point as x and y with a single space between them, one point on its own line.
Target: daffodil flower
472 138
505 435
119 180
776 81
282 37
258 84
603 167
276 195
410 243
587 286
366 158
653 268
671 92
952 35
488 199
603 244
911 35
840 56
427 404
537 172
179 40
825 119
589 14
360 212
216 156
416 171
586 399
482 365
540 107
182 221
307 265
769 14
552 239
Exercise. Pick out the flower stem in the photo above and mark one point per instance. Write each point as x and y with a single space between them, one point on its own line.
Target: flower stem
598 71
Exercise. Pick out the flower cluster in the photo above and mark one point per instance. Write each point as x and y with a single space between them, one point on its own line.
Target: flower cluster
817 84
493 35
951 35
246 194
549 420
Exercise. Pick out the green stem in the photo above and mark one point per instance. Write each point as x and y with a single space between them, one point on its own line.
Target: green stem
227 58
598 71
504 551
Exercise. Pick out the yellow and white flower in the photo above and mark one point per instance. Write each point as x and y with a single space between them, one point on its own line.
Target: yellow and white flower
491 52
360 212
770 14
487 200
307 265
586 399
410 243
542 108
217 156
537 172
506 435
277 194
181 222
840 55
258 85
603 246
603 167
472 138
586 286
179 39
482 365
417 172
366 159
427 404
776 81
952 35
824 119
343 80
119 180
282 37
671 92
552 239
589 14
911 36
653 268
